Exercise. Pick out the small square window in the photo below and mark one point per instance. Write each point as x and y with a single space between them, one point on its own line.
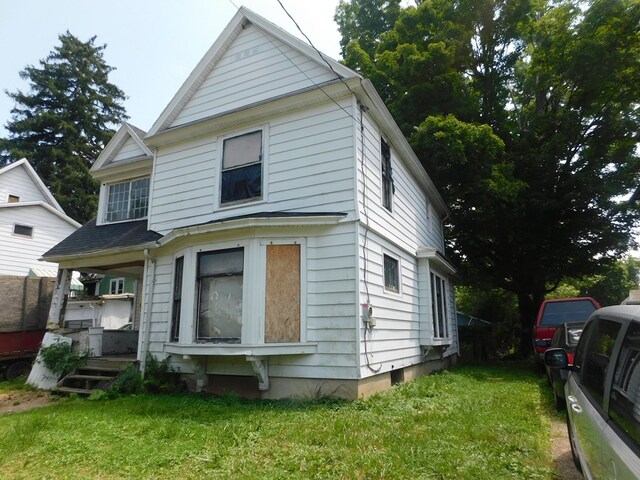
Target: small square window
23 230
391 274
116 286
13 198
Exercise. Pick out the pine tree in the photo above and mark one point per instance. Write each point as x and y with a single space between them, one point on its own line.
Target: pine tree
65 119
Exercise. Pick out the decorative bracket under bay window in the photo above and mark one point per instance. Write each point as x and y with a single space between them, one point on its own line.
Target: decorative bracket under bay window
260 366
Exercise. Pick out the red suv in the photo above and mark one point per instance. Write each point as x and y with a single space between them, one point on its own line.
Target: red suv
556 312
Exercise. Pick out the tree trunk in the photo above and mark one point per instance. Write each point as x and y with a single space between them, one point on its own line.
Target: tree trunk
528 305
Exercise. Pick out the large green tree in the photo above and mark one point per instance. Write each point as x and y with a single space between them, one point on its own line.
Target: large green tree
64 120
526 114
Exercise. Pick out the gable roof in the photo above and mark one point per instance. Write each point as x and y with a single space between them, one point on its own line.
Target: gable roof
54 211
222 44
126 132
37 181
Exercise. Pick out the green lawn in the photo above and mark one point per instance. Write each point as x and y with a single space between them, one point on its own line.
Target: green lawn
468 423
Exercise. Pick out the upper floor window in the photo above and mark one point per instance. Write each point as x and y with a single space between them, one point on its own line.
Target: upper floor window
387 178
13 198
23 230
241 168
128 200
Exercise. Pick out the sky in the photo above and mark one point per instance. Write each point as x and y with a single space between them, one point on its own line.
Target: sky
153 44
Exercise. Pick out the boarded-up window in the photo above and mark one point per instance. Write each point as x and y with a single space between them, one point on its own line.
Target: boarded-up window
282 302
14 198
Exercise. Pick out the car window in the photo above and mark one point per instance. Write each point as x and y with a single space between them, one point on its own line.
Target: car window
556 313
596 355
624 405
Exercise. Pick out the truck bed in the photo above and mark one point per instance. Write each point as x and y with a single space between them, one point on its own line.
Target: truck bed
20 344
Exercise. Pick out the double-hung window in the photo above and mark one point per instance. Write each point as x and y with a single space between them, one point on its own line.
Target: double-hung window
116 286
241 168
387 178
439 306
128 200
220 284
177 299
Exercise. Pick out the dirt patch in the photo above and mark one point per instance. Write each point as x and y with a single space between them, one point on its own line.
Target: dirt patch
20 400
563 466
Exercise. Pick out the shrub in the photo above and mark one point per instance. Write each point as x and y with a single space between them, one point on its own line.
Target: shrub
60 358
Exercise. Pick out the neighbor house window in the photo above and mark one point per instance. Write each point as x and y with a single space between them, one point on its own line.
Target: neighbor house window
14 198
242 168
128 200
177 299
23 230
387 178
220 282
116 286
391 274
439 307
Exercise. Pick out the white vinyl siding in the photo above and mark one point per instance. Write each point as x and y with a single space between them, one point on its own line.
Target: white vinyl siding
128 151
18 182
256 67
308 167
408 225
20 252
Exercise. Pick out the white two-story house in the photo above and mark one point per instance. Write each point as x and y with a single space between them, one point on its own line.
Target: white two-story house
286 239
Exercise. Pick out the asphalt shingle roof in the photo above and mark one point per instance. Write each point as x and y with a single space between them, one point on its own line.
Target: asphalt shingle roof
92 238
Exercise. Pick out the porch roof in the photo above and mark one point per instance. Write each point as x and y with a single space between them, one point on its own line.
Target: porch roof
96 238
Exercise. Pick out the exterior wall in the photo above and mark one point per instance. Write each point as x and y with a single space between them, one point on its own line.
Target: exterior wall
20 253
307 166
256 67
18 182
129 150
404 319
329 306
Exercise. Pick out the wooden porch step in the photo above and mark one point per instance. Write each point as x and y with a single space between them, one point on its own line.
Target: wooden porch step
76 376
79 391
88 368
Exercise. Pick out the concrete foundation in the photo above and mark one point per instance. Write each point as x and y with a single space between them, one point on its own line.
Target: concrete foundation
312 388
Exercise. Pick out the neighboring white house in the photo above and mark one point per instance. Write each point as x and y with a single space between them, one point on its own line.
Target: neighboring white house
286 237
31 222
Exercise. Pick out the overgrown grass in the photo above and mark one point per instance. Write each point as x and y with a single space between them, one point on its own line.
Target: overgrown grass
469 423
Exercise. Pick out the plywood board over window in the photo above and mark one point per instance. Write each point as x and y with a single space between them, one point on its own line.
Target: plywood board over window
282 303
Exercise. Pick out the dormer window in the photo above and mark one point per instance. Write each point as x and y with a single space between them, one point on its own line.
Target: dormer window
128 200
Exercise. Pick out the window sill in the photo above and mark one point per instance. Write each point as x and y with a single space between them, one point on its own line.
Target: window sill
436 342
268 349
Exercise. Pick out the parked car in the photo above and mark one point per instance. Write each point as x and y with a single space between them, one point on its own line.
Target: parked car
603 394
565 337
556 312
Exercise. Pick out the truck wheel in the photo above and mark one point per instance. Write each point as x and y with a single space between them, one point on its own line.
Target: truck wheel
21 367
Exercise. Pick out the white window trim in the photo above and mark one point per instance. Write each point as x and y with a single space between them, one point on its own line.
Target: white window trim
20 235
116 281
103 205
447 320
384 283
265 157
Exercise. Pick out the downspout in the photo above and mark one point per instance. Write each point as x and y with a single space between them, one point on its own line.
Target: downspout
146 318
